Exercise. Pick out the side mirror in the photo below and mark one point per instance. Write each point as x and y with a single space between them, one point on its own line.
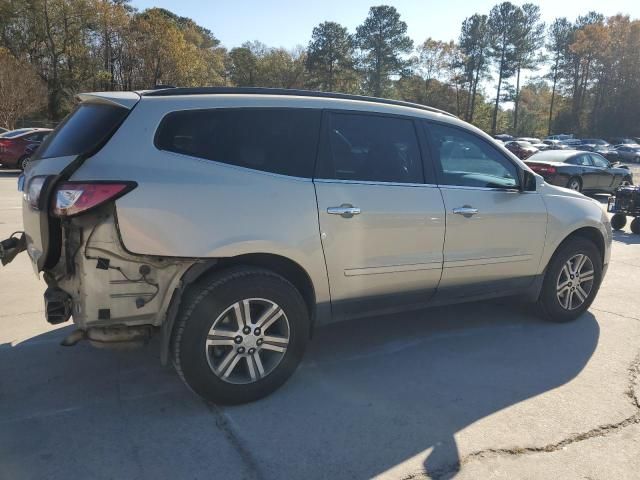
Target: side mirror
529 183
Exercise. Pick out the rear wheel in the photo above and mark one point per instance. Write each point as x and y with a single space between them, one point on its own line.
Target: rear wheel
571 281
635 226
242 335
575 184
23 163
618 221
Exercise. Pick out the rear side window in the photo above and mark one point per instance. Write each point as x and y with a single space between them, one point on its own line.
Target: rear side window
371 148
84 129
282 141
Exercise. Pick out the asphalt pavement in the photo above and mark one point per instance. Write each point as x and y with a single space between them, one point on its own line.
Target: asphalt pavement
485 390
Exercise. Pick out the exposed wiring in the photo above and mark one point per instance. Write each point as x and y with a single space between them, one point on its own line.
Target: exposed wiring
143 277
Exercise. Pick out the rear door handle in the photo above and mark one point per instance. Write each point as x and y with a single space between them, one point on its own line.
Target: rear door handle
465 211
345 211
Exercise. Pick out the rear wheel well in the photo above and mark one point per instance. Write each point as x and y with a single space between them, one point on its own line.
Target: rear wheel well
283 266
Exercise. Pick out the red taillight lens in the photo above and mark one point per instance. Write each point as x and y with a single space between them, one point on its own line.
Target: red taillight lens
4 144
542 169
73 198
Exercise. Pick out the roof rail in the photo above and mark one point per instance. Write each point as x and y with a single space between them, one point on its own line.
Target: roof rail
283 91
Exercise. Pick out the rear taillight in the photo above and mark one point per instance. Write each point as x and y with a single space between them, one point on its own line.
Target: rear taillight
73 198
4 144
542 169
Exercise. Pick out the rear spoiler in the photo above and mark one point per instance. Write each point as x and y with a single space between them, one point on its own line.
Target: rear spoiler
119 99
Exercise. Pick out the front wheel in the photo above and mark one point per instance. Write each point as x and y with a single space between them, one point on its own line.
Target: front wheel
241 336
572 280
635 226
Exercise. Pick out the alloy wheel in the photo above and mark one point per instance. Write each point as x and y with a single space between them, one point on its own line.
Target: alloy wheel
574 185
247 341
575 282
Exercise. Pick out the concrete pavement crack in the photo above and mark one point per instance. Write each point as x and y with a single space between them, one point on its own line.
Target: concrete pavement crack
223 423
449 471
615 313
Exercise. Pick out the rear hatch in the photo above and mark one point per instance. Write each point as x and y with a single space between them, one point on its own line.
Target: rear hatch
79 136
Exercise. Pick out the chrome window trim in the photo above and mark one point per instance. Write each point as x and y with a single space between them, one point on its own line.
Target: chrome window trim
370 182
489 189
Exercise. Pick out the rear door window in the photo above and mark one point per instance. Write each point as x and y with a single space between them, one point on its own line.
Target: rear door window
282 141
374 148
83 130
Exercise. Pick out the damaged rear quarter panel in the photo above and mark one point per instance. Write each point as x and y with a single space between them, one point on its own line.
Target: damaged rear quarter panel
108 285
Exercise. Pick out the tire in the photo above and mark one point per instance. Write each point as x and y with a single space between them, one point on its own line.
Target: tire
627 181
204 367
23 163
549 302
574 183
635 225
618 221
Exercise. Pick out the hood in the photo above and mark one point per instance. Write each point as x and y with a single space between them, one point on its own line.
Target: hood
548 189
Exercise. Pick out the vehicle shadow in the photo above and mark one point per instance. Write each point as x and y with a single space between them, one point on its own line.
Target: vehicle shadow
370 394
626 237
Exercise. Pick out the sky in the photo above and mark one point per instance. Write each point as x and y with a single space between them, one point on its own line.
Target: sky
288 23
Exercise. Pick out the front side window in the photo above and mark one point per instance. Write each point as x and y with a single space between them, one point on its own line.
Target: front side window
374 148
463 159
282 141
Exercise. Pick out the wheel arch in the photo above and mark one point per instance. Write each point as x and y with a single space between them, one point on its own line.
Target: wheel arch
589 233
199 272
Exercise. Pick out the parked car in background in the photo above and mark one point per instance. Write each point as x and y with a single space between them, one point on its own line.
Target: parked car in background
600 146
629 153
571 143
17 146
554 145
580 171
503 137
562 137
535 142
232 222
621 140
521 149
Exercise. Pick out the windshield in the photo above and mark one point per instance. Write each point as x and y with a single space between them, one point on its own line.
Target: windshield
84 129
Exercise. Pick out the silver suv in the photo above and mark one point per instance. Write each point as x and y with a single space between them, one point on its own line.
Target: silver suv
232 222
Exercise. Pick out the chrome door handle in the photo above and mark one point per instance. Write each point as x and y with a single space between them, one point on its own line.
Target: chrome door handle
465 211
345 211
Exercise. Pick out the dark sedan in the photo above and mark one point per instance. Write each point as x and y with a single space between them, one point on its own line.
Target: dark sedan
579 170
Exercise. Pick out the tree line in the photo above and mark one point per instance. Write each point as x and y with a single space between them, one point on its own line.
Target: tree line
506 71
